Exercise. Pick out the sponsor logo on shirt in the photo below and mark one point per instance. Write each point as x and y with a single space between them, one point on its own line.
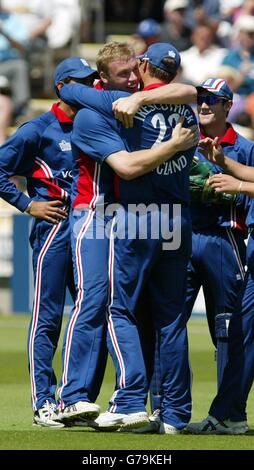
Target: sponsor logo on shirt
67 174
65 146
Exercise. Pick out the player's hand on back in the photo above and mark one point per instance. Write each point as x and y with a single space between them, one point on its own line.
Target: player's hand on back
185 138
126 108
48 210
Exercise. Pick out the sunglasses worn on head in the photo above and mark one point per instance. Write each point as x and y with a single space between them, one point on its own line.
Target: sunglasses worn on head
210 100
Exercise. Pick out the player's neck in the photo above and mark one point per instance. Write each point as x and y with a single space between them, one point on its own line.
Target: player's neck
67 109
150 81
215 130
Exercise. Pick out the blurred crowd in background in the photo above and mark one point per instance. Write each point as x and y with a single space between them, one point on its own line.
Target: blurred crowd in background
215 38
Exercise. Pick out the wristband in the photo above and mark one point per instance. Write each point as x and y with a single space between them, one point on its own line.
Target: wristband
240 187
27 210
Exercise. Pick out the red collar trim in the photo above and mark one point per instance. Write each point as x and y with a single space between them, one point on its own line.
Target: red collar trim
60 114
229 137
99 85
154 85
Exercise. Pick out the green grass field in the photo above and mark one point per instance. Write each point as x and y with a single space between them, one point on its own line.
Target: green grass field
16 431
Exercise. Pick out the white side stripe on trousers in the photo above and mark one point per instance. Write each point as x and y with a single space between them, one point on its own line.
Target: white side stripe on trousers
233 243
36 308
111 328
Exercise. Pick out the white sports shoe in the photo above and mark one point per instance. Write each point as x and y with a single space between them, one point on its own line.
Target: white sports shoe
125 421
46 416
153 425
211 425
168 429
82 410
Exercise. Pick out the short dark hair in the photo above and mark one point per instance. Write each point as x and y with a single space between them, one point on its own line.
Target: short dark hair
165 77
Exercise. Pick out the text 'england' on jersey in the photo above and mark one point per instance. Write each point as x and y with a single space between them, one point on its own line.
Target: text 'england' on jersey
153 125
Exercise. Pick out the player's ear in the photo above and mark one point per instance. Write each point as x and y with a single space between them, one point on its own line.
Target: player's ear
228 105
60 85
103 77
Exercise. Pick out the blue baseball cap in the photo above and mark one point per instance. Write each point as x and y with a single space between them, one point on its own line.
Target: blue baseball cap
159 51
218 87
73 67
148 28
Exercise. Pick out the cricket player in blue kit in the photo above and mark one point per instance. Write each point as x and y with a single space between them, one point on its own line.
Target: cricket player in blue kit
218 231
40 150
155 123
227 414
218 247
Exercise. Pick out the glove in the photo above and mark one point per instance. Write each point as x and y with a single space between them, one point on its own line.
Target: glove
200 190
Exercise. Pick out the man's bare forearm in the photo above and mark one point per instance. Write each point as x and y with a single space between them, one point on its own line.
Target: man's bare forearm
236 169
174 93
247 188
132 165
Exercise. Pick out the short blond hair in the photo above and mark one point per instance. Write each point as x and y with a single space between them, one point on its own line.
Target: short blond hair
113 51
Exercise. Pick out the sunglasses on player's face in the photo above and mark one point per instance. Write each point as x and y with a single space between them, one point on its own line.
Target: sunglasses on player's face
210 100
